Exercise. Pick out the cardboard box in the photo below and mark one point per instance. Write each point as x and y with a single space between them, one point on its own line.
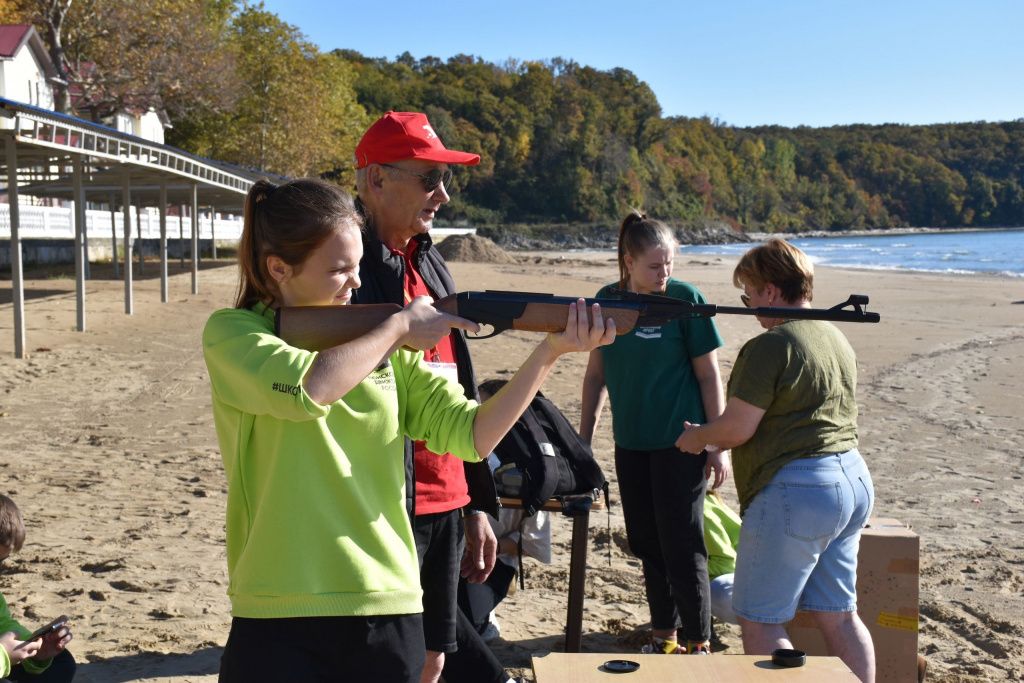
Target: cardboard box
887 600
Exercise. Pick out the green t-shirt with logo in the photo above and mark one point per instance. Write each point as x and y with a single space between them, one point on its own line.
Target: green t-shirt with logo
649 375
803 373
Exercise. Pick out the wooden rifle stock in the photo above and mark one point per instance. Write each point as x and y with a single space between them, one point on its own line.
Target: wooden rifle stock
316 328
531 311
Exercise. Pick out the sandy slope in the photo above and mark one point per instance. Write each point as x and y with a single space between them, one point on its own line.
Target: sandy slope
109 449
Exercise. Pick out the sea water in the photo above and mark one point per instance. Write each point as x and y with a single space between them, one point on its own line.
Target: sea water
992 252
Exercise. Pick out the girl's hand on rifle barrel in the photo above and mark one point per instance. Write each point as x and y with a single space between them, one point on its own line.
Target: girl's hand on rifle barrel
426 325
582 332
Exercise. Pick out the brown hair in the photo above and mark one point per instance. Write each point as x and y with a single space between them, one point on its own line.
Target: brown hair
288 221
12 527
637 234
780 263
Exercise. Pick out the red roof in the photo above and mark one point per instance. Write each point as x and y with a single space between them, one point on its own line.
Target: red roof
11 38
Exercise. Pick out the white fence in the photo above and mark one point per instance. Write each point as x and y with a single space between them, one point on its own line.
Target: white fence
49 222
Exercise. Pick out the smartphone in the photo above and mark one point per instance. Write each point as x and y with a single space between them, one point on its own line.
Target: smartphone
54 625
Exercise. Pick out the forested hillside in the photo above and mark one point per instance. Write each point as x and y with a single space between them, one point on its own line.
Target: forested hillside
565 142
561 142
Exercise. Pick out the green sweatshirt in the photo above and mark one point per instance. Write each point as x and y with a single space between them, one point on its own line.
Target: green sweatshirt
316 518
721 536
7 623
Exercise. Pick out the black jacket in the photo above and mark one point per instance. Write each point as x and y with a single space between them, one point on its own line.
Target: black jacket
383 277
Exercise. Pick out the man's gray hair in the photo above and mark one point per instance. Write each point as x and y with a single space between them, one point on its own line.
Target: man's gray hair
361 180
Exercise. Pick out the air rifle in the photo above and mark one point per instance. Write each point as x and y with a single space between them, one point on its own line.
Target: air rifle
320 327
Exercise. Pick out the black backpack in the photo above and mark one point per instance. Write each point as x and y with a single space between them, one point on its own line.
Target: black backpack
543 456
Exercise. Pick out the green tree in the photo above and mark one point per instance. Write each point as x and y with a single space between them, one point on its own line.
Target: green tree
296 113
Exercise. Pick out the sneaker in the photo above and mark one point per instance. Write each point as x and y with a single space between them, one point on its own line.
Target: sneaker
694 648
491 632
660 646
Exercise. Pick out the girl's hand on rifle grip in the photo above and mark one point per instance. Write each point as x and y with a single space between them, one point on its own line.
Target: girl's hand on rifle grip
583 332
426 325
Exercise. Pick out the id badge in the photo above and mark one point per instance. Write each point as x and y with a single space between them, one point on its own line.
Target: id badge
448 370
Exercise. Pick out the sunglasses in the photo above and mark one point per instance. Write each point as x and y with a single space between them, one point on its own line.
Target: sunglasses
745 299
430 180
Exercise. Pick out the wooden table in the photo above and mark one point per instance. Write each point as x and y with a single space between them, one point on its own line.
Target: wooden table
577 559
557 667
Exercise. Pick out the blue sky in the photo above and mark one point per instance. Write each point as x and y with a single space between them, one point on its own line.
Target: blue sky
786 62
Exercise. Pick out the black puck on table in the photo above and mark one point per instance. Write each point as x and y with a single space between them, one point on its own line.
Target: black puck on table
788 658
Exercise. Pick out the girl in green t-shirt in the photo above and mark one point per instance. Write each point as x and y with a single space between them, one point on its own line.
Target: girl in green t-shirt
321 559
657 378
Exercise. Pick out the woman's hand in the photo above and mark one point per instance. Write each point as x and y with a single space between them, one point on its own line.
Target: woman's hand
18 650
582 332
427 325
720 462
689 441
54 643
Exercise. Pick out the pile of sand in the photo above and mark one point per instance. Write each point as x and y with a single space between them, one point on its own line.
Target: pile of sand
473 249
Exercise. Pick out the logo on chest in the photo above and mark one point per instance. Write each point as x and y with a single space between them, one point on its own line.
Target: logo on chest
648 332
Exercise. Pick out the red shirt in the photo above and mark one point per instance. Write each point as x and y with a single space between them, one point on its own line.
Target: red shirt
440 479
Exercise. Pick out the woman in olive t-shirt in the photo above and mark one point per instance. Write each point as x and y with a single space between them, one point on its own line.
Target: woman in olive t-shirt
805 492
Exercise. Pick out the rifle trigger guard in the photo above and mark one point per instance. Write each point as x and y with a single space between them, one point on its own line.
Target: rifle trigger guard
495 331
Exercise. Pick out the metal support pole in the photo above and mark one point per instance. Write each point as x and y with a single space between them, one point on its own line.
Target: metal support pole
163 241
126 209
17 276
138 235
85 236
113 237
181 235
78 188
195 238
213 234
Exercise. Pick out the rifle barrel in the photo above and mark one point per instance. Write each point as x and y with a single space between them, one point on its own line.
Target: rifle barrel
832 314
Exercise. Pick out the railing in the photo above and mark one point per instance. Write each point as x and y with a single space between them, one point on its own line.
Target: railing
50 222
43 128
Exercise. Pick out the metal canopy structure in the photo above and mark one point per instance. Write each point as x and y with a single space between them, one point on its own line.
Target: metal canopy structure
48 154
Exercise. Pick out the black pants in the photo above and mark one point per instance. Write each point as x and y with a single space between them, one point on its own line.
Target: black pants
324 650
61 670
473 662
439 545
663 504
477 600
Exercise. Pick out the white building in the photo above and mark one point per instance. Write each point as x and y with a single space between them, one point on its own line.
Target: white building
28 75
26 72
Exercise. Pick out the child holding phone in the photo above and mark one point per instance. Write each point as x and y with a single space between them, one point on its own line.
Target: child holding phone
22 658
321 558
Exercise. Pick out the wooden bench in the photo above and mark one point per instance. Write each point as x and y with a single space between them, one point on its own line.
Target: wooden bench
577 507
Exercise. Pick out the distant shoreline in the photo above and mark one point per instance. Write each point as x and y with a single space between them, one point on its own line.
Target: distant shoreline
886 232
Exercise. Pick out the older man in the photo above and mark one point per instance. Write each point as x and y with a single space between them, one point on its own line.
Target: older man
403 173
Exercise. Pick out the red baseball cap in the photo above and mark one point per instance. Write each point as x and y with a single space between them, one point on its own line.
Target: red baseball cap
402 135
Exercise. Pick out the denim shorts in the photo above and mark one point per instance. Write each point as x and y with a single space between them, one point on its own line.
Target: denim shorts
800 537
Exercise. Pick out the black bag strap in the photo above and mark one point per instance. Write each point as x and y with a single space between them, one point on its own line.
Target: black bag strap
519 552
581 456
546 466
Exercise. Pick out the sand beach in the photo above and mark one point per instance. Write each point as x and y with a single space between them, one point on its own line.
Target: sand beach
108 447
